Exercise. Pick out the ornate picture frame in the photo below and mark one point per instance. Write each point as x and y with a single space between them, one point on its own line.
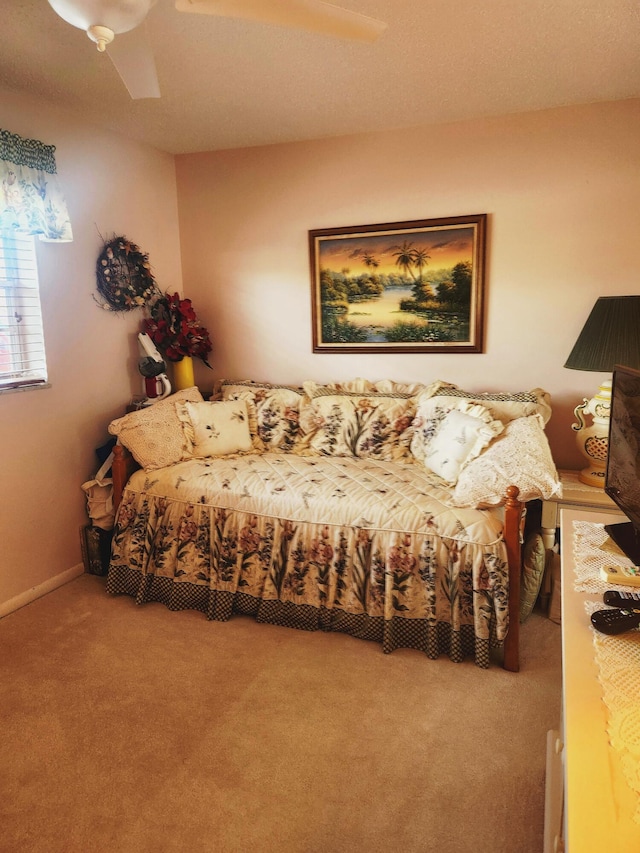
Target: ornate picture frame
414 286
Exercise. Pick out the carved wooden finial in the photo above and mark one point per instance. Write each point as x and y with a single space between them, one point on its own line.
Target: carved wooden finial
512 495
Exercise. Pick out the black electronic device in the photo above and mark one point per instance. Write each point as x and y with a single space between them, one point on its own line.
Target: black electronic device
149 367
626 600
622 477
615 621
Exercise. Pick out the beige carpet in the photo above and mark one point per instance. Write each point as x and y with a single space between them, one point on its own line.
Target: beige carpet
127 728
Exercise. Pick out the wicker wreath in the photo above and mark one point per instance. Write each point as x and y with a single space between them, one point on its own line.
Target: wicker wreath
124 275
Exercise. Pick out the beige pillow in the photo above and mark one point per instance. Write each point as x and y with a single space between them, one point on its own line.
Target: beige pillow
461 436
520 457
216 429
347 386
155 435
503 405
413 388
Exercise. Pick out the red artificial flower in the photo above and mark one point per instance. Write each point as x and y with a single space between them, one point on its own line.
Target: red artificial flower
173 327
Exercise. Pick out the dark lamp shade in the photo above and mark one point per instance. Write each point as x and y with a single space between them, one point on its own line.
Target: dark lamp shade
610 336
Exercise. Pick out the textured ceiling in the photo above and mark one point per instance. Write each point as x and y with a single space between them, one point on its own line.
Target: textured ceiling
230 84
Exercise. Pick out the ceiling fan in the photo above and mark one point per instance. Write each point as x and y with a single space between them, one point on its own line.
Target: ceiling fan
102 20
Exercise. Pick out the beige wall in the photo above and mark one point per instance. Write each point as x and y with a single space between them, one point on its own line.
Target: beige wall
47 437
561 188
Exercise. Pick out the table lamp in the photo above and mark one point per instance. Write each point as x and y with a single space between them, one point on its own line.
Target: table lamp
610 336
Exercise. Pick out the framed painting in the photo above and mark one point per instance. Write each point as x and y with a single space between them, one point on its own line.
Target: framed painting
401 287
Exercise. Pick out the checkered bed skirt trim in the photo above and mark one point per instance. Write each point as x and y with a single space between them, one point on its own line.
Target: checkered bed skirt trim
217 605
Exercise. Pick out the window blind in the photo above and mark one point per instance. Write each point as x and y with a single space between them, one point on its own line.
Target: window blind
22 353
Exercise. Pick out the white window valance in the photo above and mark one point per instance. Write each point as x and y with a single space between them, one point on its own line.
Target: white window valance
31 201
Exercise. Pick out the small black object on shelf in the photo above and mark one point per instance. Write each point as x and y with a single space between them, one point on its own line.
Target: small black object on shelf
625 600
615 621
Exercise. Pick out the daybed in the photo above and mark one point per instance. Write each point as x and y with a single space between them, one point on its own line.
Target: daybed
386 511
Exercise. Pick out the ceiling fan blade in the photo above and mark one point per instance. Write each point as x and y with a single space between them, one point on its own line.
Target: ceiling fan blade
133 58
313 15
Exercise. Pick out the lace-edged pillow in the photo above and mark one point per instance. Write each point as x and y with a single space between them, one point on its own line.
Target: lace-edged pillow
155 435
520 457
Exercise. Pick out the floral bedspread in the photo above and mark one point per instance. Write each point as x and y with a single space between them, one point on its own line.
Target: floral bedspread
361 546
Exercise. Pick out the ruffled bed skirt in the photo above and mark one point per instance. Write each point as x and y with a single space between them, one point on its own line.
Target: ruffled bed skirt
399 589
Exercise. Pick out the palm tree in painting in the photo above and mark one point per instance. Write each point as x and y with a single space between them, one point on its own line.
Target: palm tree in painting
370 261
404 257
420 259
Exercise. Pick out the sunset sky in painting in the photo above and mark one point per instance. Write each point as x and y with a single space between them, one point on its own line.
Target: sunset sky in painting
447 246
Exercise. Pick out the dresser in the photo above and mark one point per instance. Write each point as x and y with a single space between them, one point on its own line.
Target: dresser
598 801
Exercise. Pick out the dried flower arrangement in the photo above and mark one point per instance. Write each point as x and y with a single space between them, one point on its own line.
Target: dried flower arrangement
174 328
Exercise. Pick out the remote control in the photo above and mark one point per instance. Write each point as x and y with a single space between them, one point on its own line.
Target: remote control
625 575
626 600
615 621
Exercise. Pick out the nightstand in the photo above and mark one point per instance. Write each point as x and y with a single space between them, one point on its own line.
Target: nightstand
575 495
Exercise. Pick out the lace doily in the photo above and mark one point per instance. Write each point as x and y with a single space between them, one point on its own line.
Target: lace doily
617 657
593 550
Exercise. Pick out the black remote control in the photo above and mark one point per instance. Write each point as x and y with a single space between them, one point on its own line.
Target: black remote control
615 621
626 600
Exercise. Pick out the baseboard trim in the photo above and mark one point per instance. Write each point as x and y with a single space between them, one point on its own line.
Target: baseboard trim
38 591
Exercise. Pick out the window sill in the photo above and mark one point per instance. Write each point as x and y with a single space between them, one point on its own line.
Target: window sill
16 388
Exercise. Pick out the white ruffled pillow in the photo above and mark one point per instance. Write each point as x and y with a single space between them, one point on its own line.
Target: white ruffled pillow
217 429
520 457
432 411
461 436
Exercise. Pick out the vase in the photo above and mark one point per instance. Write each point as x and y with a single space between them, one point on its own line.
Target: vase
183 374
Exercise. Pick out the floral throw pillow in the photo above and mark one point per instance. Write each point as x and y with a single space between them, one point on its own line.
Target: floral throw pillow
503 405
216 429
372 425
274 412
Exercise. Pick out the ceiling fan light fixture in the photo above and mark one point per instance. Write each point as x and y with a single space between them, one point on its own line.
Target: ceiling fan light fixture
119 16
102 36
133 57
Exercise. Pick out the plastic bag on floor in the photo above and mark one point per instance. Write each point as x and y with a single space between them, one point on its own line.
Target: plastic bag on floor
99 493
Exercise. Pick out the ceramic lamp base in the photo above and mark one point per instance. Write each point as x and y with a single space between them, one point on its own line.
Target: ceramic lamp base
183 374
593 476
593 439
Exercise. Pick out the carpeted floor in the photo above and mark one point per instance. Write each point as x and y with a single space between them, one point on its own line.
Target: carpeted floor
138 730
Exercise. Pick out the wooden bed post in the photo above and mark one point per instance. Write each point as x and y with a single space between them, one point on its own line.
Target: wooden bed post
118 474
512 529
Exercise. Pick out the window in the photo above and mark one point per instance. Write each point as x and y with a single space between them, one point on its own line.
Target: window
22 356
